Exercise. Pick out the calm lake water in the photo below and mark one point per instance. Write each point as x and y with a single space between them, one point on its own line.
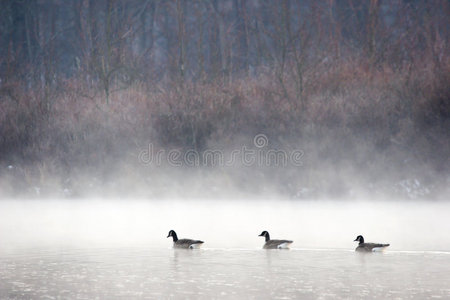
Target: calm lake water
117 250
143 273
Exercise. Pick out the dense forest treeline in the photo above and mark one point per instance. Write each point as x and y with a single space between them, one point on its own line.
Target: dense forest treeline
362 87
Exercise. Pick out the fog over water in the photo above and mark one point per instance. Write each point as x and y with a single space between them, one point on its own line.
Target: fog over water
223 224
117 249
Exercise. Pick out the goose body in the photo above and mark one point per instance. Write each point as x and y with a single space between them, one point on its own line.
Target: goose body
274 244
367 247
184 243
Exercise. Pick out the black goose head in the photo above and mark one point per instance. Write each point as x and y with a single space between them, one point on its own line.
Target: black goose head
359 239
173 234
265 234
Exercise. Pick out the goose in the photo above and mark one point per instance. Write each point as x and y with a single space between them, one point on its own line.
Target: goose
184 243
274 244
367 247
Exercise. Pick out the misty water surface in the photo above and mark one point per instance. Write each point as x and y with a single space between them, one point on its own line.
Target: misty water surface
119 250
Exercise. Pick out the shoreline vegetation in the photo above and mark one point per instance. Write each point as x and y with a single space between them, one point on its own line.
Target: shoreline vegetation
371 117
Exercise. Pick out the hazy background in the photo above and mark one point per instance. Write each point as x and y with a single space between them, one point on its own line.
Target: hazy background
361 88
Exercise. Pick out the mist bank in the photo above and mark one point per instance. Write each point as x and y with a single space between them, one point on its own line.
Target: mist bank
129 181
223 224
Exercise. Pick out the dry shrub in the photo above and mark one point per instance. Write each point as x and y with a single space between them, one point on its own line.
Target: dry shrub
349 116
